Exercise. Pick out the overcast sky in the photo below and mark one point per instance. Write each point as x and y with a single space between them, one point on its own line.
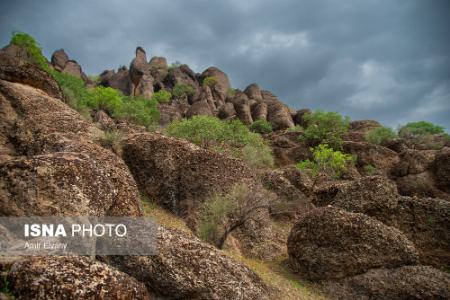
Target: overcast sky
387 60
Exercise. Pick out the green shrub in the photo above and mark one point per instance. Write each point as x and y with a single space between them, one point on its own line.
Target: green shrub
416 129
162 96
231 137
181 89
326 161
380 135
296 128
369 169
210 81
105 98
27 42
139 110
325 128
261 126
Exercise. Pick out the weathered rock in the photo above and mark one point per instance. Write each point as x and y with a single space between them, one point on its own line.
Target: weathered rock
278 114
59 59
119 80
179 174
186 268
441 170
199 108
227 111
71 278
421 185
169 113
375 196
62 161
298 119
18 53
140 77
287 147
243 113
15 70
382 158
159 63
259 111
425 221
104 120
223 84
253 92
73 68
329 243
413 162
409 282
359 129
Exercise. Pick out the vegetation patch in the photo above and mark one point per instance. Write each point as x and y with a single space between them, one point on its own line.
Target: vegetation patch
261 126
380 135
210 81
181 89
162 96
231 137
325 128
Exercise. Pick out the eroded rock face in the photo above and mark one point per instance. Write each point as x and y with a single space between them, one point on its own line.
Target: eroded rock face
253 92
441 170
119 80
186 268
73 277
408 282
177 173
329 243
278 114
15 70
140 77
63 169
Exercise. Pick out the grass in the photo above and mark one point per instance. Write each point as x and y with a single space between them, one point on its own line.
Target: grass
276 274
162 216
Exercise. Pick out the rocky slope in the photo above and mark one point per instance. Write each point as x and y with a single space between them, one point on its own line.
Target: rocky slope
369 236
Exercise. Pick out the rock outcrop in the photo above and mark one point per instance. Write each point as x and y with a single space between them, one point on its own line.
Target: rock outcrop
409 282
186 268
329 243
179 174
71 277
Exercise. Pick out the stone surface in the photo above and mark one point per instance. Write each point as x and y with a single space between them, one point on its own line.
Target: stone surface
186 268
59 59
329 243
71 278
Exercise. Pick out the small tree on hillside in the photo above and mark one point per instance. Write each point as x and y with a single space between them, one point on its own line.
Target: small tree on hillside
326 161
220 215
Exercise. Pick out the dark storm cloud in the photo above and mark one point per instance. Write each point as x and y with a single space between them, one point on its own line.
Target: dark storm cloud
386 60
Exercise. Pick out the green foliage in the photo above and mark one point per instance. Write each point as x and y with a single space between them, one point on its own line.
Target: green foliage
326 161
105 98
261 126
181 89
231 92
5 289
27 42
231 137
296 128
380 135
140 111
210 81
325 128
369 169
213 214
416 129
162 96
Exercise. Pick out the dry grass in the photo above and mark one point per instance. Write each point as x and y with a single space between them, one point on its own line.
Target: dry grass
162 216
276 274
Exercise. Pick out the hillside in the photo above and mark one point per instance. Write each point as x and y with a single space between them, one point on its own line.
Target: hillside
253 200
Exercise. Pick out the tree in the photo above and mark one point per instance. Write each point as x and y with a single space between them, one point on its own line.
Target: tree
325 128
416 129
326 161
220 215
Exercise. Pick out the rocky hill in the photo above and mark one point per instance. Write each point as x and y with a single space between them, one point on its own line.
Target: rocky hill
379 230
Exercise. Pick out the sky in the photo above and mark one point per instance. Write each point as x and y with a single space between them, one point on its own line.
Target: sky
387 60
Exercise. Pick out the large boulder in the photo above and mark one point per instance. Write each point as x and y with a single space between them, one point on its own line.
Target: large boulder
199 108
59 59
119 80
253 92
16 70
71 277
421 185
186 268
408 282
226 111
223 84
73 68
57 176
329 243
177 173
259 111
372 195
382 158
140 77
299 117
278 114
